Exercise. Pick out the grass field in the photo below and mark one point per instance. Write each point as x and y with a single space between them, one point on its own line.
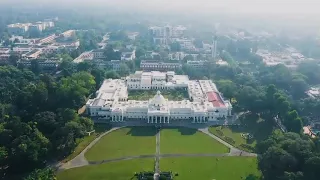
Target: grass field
211 168
185 141
121 170
124 142
84 142
258 127
174 95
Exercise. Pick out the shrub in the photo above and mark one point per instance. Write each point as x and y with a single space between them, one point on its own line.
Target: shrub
229 140
220 133
248 147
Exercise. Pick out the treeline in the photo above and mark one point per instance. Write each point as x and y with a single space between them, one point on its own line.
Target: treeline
289 156
39 123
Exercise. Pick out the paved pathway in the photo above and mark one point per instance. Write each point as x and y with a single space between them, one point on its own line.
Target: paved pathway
233 150
157 158
80 160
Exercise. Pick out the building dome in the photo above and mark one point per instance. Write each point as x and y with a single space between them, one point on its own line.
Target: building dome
158 100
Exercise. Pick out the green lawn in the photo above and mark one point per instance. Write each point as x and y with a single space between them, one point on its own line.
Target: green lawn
124 142
174 95
121 170
258 127
84 142
185 141
211 168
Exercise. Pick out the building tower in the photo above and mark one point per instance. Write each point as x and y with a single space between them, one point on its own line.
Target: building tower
214 47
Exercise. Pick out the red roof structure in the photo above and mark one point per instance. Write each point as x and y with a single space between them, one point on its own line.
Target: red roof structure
215 99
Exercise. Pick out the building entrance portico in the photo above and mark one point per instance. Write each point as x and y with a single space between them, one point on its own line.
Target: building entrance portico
158 120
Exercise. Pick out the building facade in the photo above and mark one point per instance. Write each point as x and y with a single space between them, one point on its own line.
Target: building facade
205 103
150 65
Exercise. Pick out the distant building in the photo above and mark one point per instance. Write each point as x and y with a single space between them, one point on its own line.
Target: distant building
48 39
165 34
98 54
196 64
177 56
68 34
150 65
222 63
128 56
18 28
45 64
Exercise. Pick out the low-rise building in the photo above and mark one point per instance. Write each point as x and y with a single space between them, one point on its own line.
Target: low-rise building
148 65
98 54
156 80
196 64
45 64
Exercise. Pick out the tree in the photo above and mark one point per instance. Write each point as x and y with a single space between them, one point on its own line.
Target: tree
84 66
35 67
226 56
188 58
13 59
41 174
275 162
311 168
140 52
124 70
227 87
46 122
311 69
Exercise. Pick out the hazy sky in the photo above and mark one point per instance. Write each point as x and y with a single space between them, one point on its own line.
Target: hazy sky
249 6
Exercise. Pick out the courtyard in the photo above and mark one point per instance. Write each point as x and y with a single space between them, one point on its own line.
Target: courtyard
145 95
188 141
124 142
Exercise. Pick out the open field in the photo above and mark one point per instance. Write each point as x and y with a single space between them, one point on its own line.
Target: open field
209 168
188 141
84 142
256 126
121 170
174 95
124 142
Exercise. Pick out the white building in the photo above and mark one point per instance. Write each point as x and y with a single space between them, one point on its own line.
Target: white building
159 66
111 102
156 80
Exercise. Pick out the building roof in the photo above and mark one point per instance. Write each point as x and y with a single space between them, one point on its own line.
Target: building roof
215 99
158 100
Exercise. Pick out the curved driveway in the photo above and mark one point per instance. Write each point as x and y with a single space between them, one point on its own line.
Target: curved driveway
80 160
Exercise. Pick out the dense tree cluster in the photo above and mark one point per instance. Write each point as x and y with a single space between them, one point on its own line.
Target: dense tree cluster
289 156
38 118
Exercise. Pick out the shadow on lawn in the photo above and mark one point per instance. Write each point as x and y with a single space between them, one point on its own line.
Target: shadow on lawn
253 124
142 131
183 131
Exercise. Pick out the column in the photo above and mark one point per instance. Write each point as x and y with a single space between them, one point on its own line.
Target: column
160 119
111 118
148 119
168 119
